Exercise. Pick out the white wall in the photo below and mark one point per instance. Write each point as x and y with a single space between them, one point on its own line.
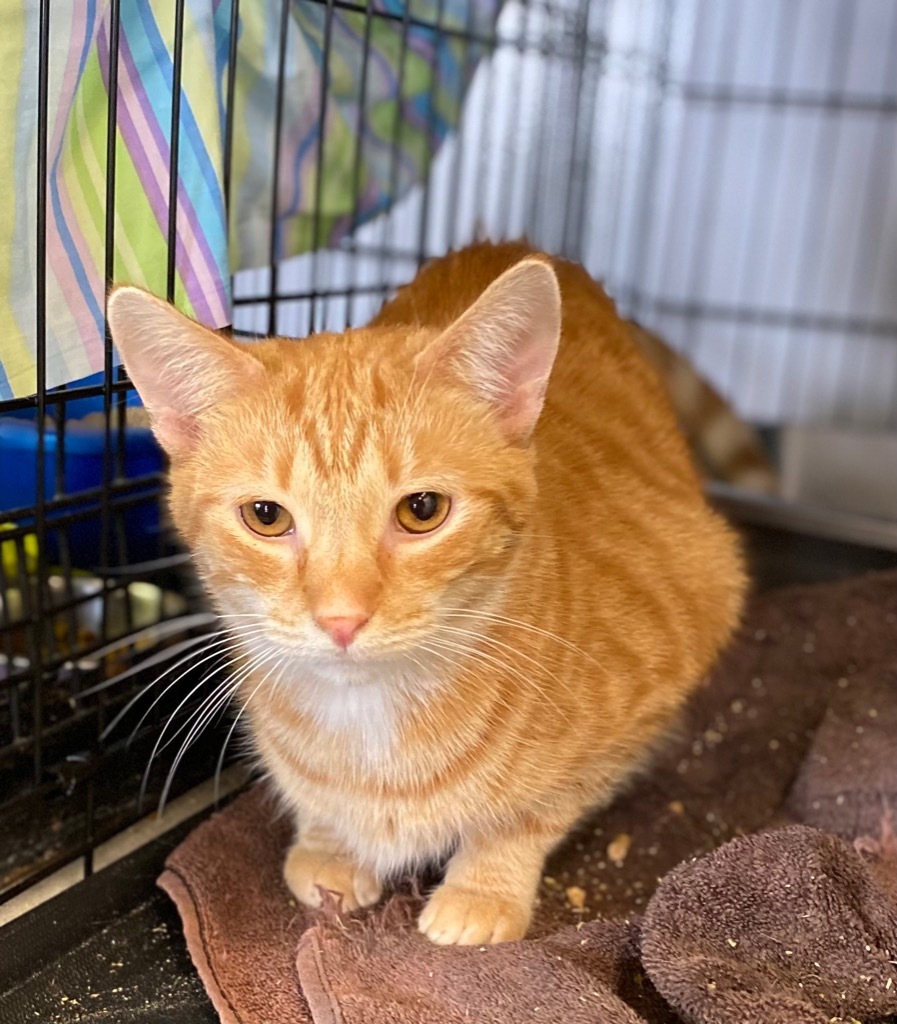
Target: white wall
776 199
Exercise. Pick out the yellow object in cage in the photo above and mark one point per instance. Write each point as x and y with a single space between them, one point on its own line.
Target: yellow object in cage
9 552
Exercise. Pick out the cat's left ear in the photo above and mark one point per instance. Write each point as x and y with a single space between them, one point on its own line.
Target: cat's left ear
505 344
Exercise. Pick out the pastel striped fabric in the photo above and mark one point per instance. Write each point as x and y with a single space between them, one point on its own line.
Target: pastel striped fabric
373 143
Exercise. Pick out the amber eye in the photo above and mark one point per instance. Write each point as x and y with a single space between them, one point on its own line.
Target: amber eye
266 518
422 512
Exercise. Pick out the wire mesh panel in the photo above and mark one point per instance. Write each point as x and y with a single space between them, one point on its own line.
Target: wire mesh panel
89 572
727 167
769 254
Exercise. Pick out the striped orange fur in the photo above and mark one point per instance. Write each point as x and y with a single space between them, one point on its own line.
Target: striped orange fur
503 673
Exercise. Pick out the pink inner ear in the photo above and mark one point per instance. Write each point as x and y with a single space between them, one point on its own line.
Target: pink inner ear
505 344
523 408
177 432
180 368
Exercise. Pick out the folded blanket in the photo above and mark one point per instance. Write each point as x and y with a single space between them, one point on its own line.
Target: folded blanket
749 875
791 925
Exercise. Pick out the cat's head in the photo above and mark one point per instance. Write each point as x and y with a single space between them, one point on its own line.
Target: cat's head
346 495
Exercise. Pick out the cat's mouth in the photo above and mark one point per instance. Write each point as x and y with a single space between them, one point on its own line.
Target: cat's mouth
372 640
375 652
302 648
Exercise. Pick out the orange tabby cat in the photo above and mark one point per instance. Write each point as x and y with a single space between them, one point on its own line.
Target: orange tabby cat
477 613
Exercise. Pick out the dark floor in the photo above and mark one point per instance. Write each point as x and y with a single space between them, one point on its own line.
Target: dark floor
110 949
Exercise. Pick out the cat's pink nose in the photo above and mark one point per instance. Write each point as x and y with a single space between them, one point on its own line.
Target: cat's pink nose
342 628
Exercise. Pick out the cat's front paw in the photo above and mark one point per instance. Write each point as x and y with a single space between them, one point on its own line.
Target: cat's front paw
465 917
306 872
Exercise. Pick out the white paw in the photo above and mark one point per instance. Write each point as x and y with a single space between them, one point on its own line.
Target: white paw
465 917
307 872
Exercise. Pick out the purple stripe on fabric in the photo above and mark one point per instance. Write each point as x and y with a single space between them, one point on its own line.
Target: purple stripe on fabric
157 194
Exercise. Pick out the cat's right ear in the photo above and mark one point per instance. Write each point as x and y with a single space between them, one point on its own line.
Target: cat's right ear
180 369
503 347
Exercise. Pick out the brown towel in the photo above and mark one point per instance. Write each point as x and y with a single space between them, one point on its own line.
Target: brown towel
798 724
241 927
846 783
377 975
788 926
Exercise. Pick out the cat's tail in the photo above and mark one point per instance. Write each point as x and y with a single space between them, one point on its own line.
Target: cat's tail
725 446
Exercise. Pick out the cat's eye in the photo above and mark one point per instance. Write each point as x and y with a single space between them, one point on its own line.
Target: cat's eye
422 512
266 518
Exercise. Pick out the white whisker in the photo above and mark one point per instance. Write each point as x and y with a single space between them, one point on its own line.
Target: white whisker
485 638
476 654
279 665
219 648
519 624
220 698
219 637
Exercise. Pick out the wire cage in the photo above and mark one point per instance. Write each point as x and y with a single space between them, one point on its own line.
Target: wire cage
726 167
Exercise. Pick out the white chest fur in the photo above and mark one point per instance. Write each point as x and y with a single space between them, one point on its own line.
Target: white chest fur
363 717
356 738
360 706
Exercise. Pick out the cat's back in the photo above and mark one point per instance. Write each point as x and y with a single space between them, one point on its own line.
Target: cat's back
618 489
446 287
602 392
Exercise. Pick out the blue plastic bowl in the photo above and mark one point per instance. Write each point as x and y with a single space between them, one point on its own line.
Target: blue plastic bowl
83 471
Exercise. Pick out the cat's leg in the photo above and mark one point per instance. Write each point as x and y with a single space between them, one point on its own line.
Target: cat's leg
489 889
317 861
